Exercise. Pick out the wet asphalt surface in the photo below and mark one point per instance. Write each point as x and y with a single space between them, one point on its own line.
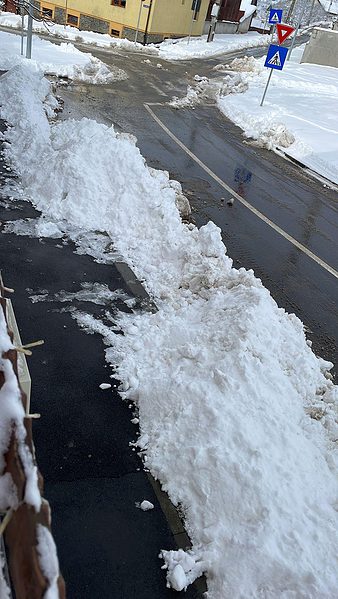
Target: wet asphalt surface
107 547
298 203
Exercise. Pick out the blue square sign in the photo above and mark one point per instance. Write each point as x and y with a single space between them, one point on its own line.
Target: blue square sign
275 16
276 57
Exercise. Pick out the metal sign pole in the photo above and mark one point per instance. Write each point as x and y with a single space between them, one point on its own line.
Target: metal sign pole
22 28
293 42
29 35
266 87
191 26
138 22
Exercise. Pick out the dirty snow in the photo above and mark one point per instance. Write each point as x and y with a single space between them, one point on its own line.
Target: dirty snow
62 60
237 415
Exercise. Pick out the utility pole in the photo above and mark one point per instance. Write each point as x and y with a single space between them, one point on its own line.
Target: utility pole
311 11
291 11
22 27
147 23
214 16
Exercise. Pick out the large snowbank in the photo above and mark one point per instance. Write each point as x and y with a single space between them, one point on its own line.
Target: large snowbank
236 412
62 60
299 114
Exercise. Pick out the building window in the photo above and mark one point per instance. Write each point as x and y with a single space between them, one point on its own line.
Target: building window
47 12
72 20
115 32
121 3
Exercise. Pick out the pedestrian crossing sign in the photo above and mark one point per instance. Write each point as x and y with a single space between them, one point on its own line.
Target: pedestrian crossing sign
275 16
276 57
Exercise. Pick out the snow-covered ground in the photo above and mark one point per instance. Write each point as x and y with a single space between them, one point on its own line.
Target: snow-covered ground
8 19
62 60
167 50
299 114
237 415
200 48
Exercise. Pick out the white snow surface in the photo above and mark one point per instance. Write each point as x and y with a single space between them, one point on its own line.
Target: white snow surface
5 592
198 47
237 415
298 116
48 559
62 60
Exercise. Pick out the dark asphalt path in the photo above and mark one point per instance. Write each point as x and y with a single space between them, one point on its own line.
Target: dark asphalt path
292 199
107 547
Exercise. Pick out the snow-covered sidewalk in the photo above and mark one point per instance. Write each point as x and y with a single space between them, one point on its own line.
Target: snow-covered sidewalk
237 415
62 60
299 115
200 48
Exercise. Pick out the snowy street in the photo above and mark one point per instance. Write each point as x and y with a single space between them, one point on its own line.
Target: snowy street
184 278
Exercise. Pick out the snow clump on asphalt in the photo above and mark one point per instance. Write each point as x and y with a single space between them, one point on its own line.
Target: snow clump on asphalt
237 415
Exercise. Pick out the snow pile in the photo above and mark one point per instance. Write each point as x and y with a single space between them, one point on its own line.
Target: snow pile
200 48
184 567
62 60
237 415
296 114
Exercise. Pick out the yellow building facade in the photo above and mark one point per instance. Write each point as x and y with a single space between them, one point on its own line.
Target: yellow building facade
160 18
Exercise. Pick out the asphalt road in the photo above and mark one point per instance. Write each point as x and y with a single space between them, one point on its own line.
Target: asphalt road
287 195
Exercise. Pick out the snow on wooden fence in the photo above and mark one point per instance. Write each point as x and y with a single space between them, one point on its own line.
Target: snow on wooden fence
25 522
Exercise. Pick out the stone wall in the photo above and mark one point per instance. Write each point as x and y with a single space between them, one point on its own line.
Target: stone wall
93 24
60 16
152 38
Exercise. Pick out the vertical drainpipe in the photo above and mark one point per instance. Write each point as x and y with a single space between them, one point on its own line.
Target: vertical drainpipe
147 24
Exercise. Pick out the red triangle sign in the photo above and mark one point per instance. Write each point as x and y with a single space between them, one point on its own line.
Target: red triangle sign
283 32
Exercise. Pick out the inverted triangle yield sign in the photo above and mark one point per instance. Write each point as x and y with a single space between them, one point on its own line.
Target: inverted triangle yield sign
283 32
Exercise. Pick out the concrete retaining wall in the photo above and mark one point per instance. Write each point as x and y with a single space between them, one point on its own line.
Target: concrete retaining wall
228 27
322 48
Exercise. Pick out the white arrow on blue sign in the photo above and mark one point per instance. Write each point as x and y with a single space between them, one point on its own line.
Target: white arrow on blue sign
276 16
276 57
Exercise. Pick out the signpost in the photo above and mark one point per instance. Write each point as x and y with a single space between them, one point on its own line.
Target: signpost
275 16
283 32
196 5
275 60
276 56
138 21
